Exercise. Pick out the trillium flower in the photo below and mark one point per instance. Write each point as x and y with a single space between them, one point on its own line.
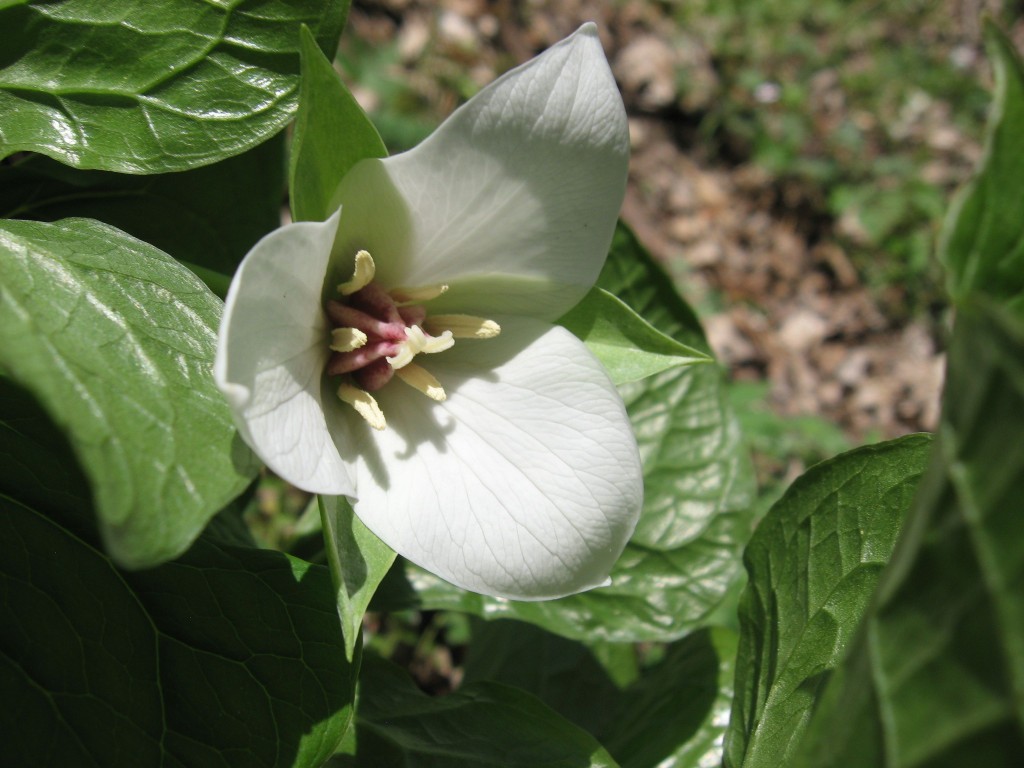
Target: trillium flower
403 352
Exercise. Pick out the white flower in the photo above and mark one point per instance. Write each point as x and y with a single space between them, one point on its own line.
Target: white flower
513 471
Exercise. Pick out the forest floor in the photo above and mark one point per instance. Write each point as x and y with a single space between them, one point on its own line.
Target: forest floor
791 162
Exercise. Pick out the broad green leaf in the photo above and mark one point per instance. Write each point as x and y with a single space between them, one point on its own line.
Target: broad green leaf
209 217
332 133
813 564
484 724
226 657
358 560
935 676
116 340
683 561
628 346
673 715
150 87
983 241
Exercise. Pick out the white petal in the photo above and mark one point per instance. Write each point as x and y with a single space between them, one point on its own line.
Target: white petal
513 200
525 483
271 351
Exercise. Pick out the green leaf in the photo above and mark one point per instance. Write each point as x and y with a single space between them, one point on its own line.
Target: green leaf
676 714
684 557
673 714
209 217
36 464
628 346
983 238
227 657
484 724
935 676
332 133
358 560
152 87
813 564
116 340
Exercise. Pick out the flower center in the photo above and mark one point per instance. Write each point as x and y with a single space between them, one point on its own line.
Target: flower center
375 334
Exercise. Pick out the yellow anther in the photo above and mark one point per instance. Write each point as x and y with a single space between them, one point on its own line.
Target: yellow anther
406 296
417 341
419 378
362 274
462 326
364 404
347 339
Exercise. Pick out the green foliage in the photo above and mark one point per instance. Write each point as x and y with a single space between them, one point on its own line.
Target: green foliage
221 658
152 87
358 560
483 724
227 656
982 246
683 560
117 339
930 670
332 133
628 346
209 217
936 673
673 712
813 564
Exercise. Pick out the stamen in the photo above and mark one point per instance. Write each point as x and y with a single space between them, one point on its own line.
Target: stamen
362 274
419 378
347 339
462 326
364 404
417 341
403 296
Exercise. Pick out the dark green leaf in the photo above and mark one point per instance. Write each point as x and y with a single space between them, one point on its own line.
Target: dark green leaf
332 133
813 564
675 714
227 657
484 724
36 465
936 674
685 554
116 340
628 346
208 217
152 87
358 559
983 240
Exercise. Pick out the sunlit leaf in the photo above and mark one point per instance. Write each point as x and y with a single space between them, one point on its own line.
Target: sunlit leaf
358 559
628 346
813 564
332 133
149 87
983 241
116 340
